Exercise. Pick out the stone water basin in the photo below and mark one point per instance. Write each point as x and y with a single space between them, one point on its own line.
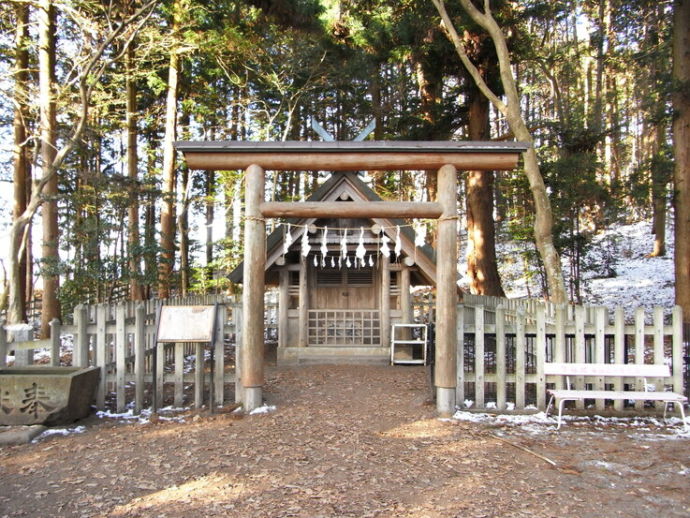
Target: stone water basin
46 395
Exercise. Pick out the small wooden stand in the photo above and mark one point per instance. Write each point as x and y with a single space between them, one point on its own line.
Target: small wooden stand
409 344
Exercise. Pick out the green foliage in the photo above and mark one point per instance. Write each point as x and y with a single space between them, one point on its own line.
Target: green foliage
260 70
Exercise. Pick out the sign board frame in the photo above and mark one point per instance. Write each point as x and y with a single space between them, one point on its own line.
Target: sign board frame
193 324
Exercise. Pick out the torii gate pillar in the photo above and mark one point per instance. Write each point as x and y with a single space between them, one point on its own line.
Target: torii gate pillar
252 356
446 292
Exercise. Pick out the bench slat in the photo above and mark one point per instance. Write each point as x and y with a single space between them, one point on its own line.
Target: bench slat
607 369
613 394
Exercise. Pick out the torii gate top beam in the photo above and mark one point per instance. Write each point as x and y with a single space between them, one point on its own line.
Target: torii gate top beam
350 156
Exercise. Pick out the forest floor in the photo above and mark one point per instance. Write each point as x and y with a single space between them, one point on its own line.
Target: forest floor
347 441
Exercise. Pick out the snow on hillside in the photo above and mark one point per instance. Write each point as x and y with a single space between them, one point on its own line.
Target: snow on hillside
621 272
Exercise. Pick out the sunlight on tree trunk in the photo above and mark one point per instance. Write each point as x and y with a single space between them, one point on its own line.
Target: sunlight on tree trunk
46 80
543 223
135 288
167 259
482 268
90 70
18 262
681 146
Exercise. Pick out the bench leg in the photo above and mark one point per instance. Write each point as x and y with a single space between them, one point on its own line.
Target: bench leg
560 412
682 416
548 407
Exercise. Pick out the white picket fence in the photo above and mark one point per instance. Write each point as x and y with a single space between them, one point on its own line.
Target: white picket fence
503 346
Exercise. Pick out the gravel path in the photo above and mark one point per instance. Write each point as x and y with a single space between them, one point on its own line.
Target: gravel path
345 441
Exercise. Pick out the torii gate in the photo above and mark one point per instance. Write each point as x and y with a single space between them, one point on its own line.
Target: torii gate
444 157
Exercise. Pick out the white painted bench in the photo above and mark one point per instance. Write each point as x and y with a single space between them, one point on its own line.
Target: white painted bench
610 370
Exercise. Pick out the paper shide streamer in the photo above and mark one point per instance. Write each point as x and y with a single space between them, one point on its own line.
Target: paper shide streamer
360 258
324 247
305 243
361 252
288 240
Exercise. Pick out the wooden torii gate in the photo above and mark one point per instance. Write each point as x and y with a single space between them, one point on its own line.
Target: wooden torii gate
444 157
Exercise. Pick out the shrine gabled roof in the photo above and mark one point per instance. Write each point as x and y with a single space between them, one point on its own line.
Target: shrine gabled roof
274 243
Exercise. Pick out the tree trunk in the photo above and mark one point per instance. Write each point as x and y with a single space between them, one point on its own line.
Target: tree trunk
659 193
167 238
183 229
681 148
135 287
543 221
19 263
482 268
46 78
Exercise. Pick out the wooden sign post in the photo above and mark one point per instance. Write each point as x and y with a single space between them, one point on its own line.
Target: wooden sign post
186 324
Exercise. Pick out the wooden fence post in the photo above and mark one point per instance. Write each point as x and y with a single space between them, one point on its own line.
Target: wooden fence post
600 318
219 356
460 387
159 375
540 350
81 342
559 341
139 356
677 352
580 353
199 375
659 349
479 356
639 351
618 351
55 342
120 357
101 354
239 389
178 376
520 359
500 358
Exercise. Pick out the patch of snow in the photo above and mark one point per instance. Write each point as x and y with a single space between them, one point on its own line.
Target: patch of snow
468 403
18 327
265 409
619 271
145 416
60 431
541 423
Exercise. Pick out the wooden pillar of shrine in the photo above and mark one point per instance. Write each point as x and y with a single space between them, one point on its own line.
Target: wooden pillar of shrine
446 292
253 292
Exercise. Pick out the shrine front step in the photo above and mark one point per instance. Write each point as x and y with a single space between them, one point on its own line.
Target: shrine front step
333 355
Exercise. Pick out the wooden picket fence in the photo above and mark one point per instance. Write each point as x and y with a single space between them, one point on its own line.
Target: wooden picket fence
119 338
502 347
504 344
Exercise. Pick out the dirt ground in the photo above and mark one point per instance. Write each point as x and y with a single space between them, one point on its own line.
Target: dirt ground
347 441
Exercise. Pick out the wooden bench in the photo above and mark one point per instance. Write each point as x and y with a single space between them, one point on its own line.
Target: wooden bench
610 370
